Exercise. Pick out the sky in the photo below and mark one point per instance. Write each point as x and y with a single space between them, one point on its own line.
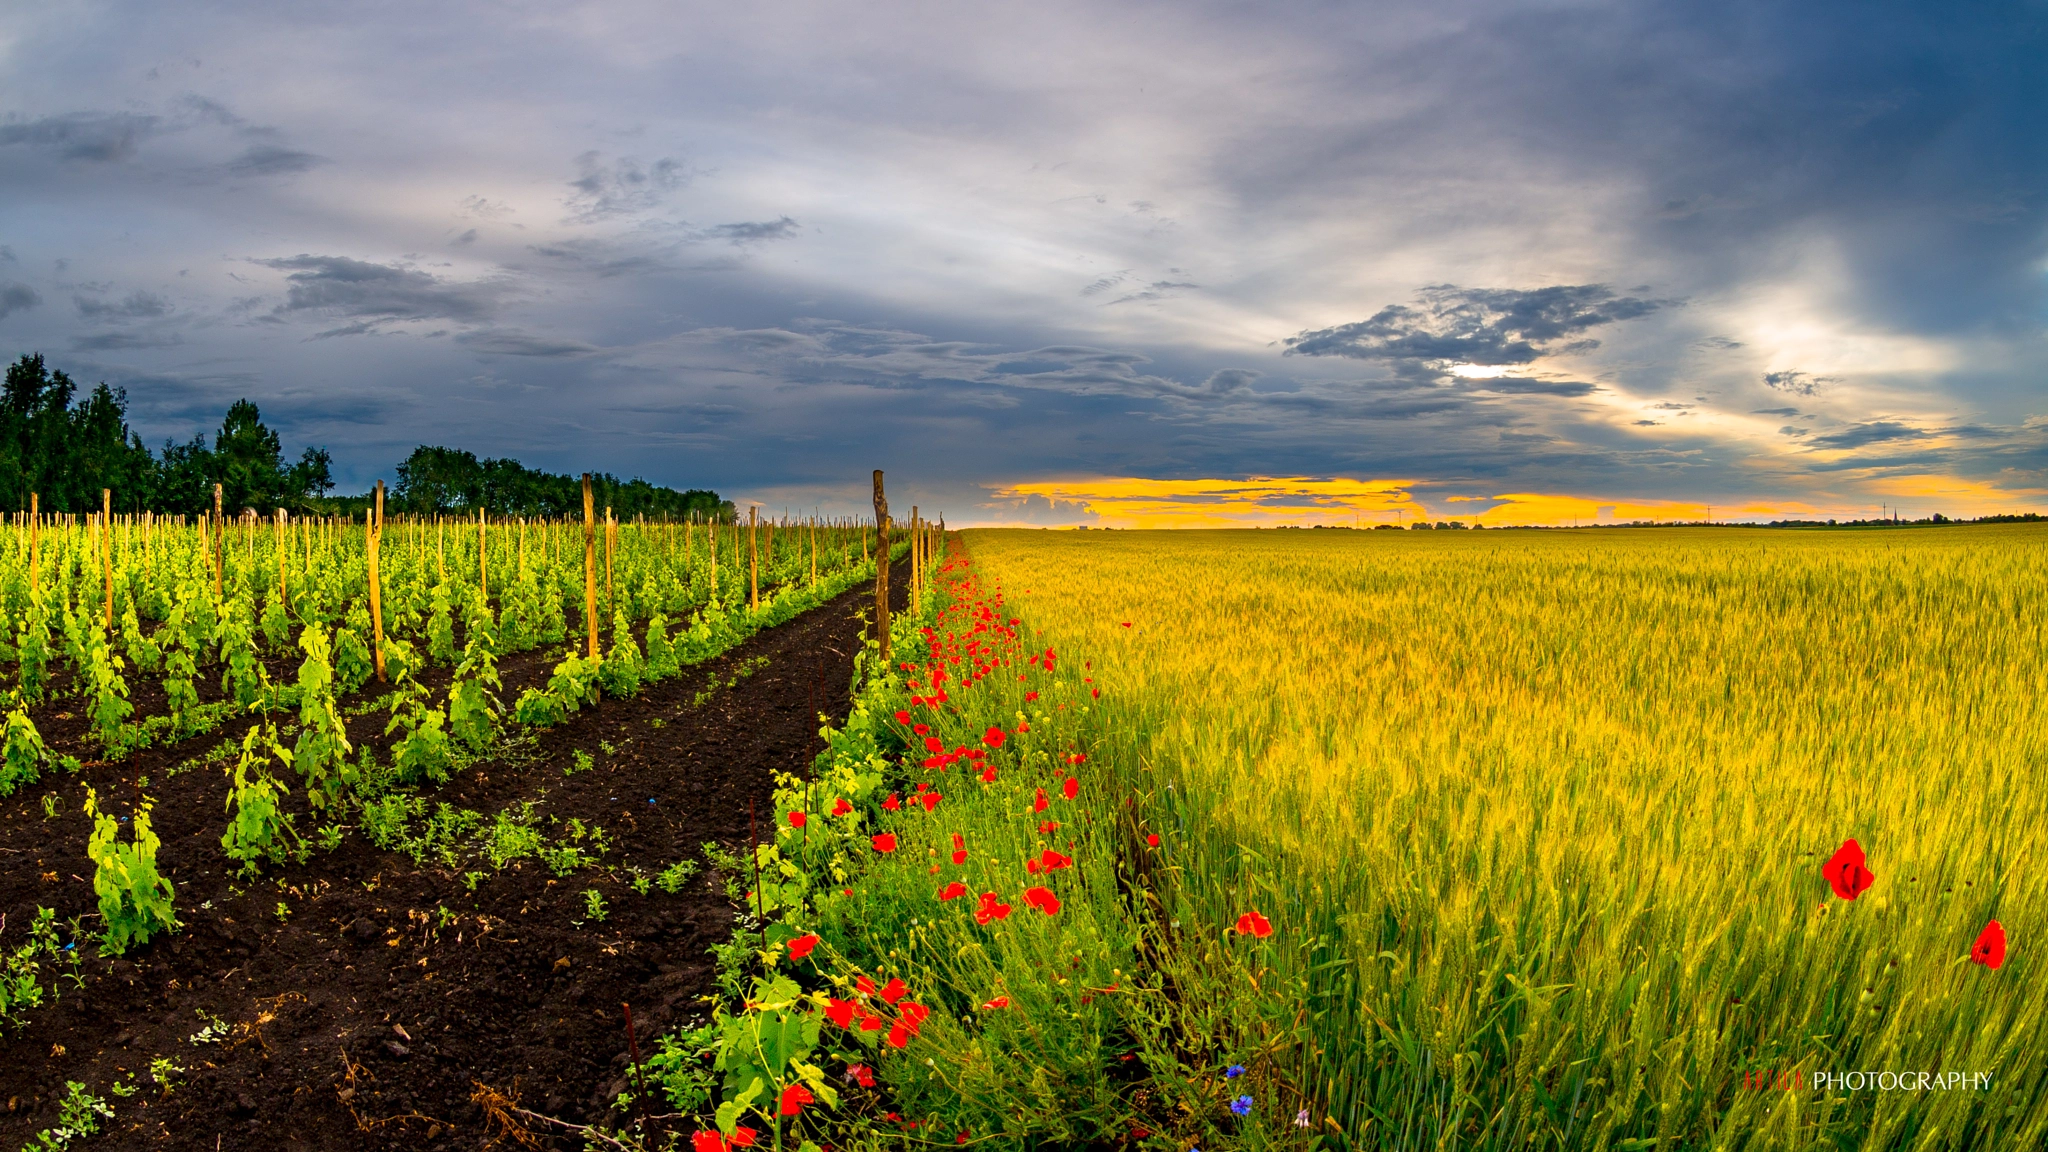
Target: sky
1107 263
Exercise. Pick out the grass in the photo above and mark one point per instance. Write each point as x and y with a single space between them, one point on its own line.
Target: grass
1538 819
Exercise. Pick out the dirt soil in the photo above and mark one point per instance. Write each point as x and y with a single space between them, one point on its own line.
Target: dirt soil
366 1015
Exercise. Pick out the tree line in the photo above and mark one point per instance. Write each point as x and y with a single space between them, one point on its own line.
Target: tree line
66 448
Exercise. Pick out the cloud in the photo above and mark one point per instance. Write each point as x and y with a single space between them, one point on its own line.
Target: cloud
272 160
116 341
17 298
1774 411
1875 432
372 294
1157 290
1797 383
746 233
506 342
624 186
98 136
139 305
1484 326
1529 386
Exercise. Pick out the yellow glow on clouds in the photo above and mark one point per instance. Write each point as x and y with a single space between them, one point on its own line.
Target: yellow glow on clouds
1138 502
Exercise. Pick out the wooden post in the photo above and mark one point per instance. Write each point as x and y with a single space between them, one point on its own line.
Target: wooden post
483 558
711 534
590 565
754 557
220 545
277 523
611 540
35 519
373 527
881 567
814 550
107 549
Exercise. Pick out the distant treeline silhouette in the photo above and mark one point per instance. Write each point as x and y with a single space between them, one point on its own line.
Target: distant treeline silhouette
65 449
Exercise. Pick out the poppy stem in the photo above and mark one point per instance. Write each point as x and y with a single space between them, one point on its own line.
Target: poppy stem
760 897
639 1081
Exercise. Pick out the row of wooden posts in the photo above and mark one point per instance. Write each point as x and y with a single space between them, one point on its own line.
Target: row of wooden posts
923 536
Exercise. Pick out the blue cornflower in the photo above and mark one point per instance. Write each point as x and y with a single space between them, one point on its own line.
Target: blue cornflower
1242 1106
1233 1072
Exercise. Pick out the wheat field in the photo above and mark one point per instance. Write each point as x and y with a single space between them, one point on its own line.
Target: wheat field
1539 818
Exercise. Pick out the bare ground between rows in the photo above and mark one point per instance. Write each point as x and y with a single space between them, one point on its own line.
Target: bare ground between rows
364 1018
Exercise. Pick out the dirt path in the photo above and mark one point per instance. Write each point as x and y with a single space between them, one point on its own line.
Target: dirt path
363 1017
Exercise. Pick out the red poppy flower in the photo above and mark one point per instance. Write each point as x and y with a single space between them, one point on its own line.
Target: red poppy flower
840 807
1845 871
708 1142
1096 693
895 990
930 800
1051 860
1029 696
1152 840
840 1012
922 729
892 804
934 744
1077 758
802 945
743 1137
1043 900
869 1022
794 1098
865 985
1070 787
797 820
903 717
998 1002
988 775
1253 924
1038 805
1989 950
991 909
886 842
993 737
913 1015
862 1075
1049 827
953 891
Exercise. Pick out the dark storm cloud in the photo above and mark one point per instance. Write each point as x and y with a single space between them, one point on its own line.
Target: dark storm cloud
272 160
17 298
114 341
1875 432
371 293
1796 383
1490 326
621 187
504 342
95 136
744 233
1523 386
138 305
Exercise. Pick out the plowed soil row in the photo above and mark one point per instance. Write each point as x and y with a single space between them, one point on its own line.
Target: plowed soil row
365 996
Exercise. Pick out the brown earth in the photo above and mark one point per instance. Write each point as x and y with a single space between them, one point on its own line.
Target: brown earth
366 1015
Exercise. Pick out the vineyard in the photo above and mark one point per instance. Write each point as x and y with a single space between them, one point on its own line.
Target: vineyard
1150 840
215 730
